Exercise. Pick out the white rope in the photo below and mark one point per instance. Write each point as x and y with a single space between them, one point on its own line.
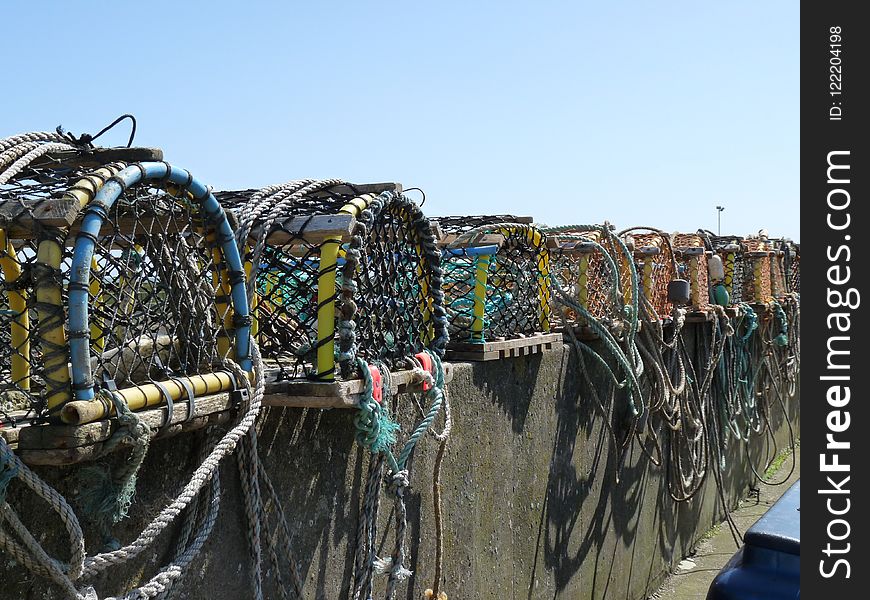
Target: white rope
31 554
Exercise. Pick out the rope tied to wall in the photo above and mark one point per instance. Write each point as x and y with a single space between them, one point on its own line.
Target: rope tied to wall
377 432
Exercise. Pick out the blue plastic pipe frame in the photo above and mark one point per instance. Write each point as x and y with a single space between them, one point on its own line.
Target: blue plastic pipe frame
472 251
95 213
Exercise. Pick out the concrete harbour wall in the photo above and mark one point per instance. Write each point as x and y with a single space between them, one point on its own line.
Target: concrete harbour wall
531 502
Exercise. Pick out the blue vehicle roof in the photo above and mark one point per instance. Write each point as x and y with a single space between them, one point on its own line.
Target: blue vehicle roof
779 528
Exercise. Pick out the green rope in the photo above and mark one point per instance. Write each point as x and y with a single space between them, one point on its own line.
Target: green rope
107 494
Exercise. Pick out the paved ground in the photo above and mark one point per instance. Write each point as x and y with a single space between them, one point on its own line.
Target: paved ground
694 574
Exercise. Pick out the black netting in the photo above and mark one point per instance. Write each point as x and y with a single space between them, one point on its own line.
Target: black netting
158 304
794 274
387 283
24 382
501 268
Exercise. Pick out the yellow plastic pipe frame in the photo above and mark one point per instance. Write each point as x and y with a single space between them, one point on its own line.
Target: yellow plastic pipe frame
729 272
138 397
49 296
481 272
326 294
647 281
20 323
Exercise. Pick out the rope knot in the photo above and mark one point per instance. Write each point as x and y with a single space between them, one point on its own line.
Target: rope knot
397 481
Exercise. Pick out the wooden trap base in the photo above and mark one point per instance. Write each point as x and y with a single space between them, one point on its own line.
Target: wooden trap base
699 316
496 350
70 444
335 394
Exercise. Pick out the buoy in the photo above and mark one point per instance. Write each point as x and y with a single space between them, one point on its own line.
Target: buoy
678 291
720 295
715 268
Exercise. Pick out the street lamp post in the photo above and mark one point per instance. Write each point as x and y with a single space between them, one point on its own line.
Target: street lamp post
719 210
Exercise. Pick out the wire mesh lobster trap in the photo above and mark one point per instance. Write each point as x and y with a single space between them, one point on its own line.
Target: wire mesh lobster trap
793 268
118 279
691 257
595 270
496 278
735 267
656 266
782 253
336 260
758 259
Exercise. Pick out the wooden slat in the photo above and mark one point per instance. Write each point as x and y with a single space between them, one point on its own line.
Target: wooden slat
339 394
496 350
312 230
359 189
69 444
489 239
97 157
699 316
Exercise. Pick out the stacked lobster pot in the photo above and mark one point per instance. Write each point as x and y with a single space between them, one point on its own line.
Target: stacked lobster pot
729 249
780 268
338 272
793 268
759 259
496 283
704 272
123 284
657 269
593 269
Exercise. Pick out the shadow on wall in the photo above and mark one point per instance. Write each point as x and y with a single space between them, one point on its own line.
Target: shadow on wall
531 502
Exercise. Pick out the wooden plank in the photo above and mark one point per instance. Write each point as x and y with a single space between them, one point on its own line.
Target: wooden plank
69 456
313 230
487 239
518 342
511 348
436 230
699 316
67 444
340 394
97 157
358 189
53 213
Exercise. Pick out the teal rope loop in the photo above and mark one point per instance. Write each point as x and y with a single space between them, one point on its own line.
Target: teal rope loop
376 430
751 319
106 493
782 320
632 371
435 395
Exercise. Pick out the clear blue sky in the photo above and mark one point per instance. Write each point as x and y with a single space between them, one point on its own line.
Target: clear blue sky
642 113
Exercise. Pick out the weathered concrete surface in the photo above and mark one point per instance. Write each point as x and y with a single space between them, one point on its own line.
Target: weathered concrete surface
531 503
694 575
